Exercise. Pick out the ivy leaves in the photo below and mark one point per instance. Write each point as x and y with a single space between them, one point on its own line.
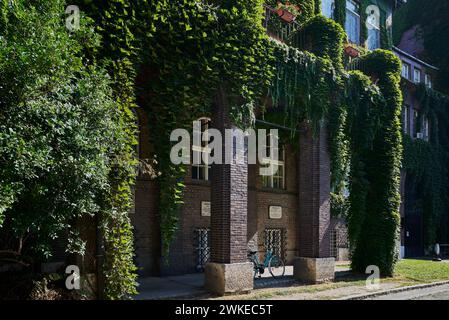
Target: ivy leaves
196 46
62 131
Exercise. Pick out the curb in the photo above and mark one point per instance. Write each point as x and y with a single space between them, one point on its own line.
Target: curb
395 290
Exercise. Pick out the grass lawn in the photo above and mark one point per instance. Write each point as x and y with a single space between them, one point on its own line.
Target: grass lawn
408 272
422 270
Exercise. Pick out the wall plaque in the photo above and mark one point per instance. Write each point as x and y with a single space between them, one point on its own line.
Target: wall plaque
275 212
205 208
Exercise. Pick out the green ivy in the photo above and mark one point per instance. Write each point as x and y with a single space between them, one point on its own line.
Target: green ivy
117 54
187 50
323 37
204 47
373 228
340 12
66 139
307 8
425 163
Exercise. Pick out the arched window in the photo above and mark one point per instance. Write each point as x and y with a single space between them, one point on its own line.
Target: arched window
327 8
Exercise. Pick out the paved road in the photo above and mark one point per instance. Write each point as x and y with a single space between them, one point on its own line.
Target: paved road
432 293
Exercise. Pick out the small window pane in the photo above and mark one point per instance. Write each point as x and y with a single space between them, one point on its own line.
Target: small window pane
417 76
373 38
327 8
352 24
428 81
405 70
201 171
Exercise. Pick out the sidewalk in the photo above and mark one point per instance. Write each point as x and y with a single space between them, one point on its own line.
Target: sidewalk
408 273
152 288
191 285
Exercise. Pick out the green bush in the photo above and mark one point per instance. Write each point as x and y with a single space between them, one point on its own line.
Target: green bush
65 146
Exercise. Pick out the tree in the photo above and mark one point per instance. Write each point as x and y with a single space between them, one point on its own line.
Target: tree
64 146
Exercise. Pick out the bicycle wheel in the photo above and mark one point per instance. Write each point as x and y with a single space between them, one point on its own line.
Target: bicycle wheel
255 267
276 267
256 271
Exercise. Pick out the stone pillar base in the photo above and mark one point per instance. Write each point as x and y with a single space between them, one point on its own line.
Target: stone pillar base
314 270
225 279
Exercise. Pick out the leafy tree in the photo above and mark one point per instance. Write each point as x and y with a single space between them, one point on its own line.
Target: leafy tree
64 146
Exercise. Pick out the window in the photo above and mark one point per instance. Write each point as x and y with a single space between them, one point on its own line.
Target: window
201 171
425 128
352 24
275 181
202 248
415 123
327 8
275 241
405 118
406 70
416 75
373 33
428 81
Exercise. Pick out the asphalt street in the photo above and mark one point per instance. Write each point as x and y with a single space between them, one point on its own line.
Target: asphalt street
432 293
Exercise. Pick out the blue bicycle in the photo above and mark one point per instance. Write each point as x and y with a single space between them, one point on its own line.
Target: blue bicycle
273 262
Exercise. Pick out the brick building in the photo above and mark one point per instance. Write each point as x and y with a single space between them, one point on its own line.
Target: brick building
415 124
230 209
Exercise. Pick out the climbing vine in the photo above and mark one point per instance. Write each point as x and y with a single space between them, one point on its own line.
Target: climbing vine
66 140
340 12
373 229
188 50
307 8
425 164
116 54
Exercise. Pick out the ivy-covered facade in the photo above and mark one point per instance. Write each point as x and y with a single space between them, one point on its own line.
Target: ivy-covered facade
335 97
305 101
424 177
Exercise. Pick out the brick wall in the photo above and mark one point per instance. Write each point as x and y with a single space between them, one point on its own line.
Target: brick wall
144 215
183 257
260 201
183 254
314 194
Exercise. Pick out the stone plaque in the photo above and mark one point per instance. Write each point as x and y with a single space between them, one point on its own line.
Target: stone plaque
205 208
275 212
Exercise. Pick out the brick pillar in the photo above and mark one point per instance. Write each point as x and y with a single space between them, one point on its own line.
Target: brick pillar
314 263
228 270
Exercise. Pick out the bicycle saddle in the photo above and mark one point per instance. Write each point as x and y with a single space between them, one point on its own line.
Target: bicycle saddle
252 252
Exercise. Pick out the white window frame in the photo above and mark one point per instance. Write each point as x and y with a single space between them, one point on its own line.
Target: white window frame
201 168
375 29
325 7
351 11
428 80
416 75
277 180
406 67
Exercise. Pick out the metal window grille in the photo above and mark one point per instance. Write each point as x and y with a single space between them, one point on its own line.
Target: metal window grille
275 240
342 238
333 243
202 248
